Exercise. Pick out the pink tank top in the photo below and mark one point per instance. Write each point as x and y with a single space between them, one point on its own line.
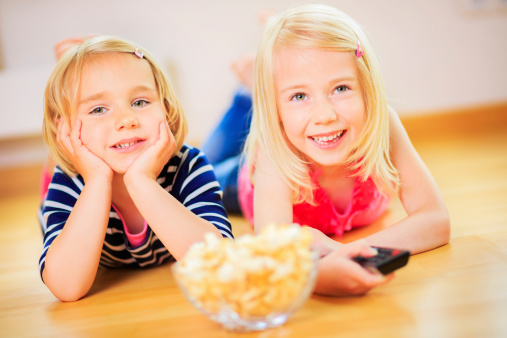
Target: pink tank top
366 205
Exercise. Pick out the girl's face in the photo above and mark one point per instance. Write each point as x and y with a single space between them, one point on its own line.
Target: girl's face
320 102
120 108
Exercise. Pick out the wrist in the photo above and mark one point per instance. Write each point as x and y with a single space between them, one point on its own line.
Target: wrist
102 178
131 180
97 174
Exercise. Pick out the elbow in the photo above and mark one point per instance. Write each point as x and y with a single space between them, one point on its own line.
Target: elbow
66 292
443 227
68 295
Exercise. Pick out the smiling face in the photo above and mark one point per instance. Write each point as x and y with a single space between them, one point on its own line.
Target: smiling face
120 108
320 102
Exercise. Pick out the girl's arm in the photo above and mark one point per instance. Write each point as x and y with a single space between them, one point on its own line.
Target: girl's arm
175 225
427 224
273 203
272 196
73 257
338 275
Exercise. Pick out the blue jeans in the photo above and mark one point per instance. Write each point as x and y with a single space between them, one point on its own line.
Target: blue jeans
224 147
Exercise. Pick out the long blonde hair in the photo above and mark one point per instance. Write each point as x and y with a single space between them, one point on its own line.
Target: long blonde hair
63 86
326 28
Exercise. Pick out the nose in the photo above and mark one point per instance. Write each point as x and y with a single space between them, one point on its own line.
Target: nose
324 112
126 119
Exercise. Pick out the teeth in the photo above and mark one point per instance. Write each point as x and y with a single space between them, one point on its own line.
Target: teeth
124 145
324 139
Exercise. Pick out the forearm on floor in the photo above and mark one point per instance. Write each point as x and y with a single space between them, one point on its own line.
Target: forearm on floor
176 226
73 257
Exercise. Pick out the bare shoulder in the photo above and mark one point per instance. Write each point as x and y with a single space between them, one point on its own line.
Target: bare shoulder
265 174
272 195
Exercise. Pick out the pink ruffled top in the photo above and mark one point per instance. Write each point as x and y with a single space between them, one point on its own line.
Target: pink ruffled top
366 205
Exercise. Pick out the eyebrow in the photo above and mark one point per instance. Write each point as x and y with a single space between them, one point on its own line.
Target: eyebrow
91 98
335 80
100 95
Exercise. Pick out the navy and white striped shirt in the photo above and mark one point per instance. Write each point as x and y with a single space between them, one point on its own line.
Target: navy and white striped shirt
187 176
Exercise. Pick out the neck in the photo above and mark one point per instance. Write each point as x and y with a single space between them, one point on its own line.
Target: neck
120 193
123 202
332 172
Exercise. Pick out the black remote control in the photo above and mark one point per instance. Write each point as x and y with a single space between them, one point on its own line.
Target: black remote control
386 261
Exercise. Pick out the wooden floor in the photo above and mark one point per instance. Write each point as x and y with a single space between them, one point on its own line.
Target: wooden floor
458 290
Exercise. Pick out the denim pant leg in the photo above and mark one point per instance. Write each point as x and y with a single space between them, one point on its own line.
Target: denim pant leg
227 176
228 138
224 146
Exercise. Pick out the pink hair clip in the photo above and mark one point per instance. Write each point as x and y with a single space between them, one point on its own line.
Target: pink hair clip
359 51
139 53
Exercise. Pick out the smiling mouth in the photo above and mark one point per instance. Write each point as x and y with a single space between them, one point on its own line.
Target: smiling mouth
125 145
327 139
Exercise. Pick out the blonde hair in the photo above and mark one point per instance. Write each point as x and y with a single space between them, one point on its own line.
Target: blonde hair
326 28
63 87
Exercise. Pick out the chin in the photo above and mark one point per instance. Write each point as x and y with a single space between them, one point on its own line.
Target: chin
328 161
121 169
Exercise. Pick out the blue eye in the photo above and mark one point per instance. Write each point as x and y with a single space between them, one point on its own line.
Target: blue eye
341 89
298 97
140 103
98 110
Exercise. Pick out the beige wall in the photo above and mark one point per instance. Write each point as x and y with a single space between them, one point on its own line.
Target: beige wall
435 54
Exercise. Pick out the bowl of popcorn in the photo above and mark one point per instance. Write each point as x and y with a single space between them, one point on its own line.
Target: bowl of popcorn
252 283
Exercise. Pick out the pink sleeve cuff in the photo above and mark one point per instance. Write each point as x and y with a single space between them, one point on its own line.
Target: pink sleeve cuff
135 240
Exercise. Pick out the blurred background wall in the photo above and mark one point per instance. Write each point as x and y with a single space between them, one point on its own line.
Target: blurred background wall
436 55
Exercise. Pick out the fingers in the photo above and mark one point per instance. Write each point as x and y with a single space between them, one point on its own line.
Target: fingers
63 138
359 248
387 278
151 162
163 132
359 280
69 140
344 277
75 135
164 138
167 137
365 280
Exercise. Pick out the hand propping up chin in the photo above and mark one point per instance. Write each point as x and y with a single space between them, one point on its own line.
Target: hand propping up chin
151 162
89 165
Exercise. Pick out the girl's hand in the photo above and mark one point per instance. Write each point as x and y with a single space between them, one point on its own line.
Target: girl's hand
339 275
86 163
322 243
152 161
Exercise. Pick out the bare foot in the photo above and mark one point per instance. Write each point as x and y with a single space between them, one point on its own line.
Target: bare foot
62 46
243 68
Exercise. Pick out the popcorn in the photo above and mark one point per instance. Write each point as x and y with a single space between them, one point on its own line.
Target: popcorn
252 276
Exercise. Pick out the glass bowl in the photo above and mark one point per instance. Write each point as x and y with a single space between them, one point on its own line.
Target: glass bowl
222 304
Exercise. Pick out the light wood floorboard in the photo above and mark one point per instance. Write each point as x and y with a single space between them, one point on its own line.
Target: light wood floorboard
458 290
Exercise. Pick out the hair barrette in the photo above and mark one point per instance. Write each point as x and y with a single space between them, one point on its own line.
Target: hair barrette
359 50
139 53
